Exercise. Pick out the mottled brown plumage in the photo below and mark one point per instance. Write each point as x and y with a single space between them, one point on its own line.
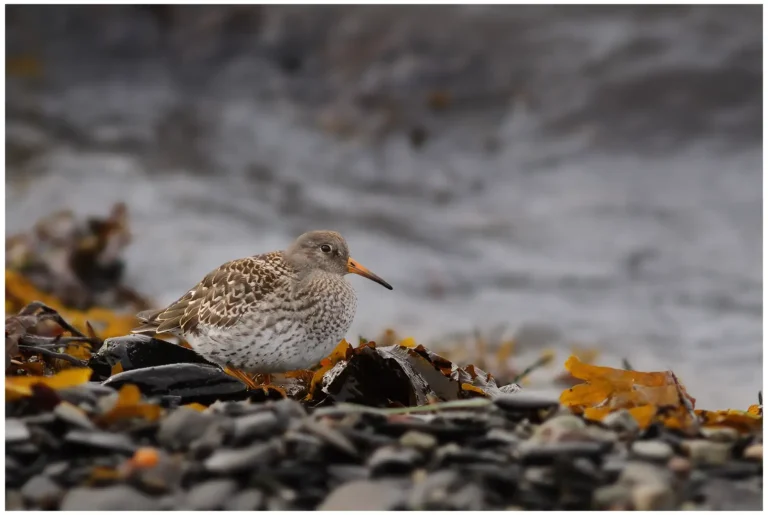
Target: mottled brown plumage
274 312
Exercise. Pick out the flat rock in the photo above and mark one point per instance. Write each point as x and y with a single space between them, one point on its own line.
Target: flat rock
16 431
230 461
110 498
210 495
652 450
42 492
393 460
380 495
179 429
260 425
116 442
706 452
523 400
250 499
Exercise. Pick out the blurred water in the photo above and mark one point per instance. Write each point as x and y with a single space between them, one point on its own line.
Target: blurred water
597 170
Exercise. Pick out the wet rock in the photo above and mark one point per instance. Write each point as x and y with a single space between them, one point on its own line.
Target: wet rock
720 434
73 416
210 495
524 401
705 452
42 492
754 452
16 431
260 425
418 440
653 450
116 497
393 460
183 426
378 495
211 438
653 497
190 382
231 461
250 499
140 351
114 442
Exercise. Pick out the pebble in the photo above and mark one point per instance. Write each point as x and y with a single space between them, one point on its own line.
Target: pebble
621 420
653 497
559 428
644 473
42 492
13 500
369 495
210 495
393 460
613 496
110 498
679 465
182 427
705 452
73 416
117 442
260 425
754 452
249 499
432 490
720 434
418 440
543 454
16 431
230 461
653 450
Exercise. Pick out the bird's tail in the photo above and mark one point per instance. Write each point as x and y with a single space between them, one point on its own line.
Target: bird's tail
149 327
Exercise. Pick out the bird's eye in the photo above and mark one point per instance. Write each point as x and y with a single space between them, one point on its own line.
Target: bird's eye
325 248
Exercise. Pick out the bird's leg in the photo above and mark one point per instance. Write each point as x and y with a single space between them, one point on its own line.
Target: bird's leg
242 376
266 385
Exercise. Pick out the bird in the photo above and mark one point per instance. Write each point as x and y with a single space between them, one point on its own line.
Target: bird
269 313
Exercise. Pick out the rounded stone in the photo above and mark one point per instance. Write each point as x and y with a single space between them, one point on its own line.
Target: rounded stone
653 497
418 440
754 452
705 452
652 450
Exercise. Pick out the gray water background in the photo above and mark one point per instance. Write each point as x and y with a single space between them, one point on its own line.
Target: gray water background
596 177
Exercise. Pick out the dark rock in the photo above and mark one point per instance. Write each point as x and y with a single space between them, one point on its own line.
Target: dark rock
379 495
115 442
524 401
212 438
260 425
393 460
543 454
250 499
330 435
87 393
345 473
42 492
210 495
191 382
116 497
231 461
73 416
183 426
16 431
139 351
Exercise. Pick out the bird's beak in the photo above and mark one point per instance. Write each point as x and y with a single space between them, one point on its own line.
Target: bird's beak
353 267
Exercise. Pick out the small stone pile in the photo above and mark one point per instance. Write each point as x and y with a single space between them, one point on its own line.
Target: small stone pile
519 450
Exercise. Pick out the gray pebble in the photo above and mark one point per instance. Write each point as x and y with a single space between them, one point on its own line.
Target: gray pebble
16 431
116 497
522 400
179 429
42 492
247 500
229 461
393 460
380 495
654 450
612 496
73 416
210 495
117 442
720 434
260 425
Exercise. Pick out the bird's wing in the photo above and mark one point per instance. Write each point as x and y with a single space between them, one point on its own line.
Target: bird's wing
219 300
